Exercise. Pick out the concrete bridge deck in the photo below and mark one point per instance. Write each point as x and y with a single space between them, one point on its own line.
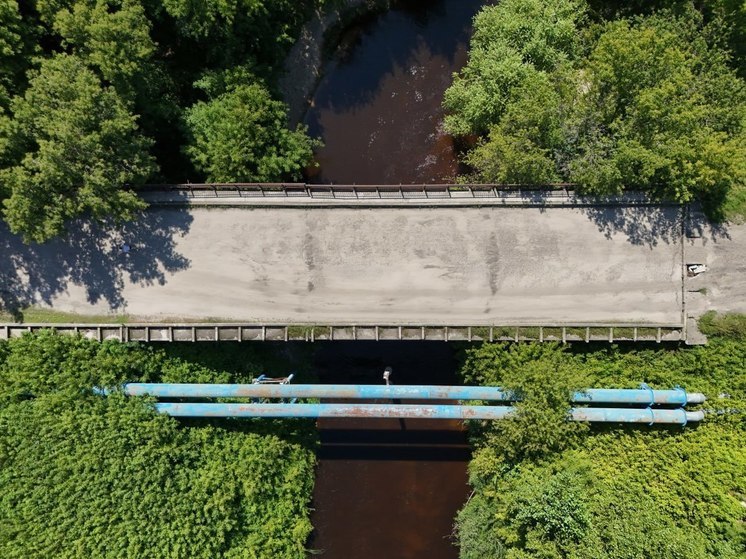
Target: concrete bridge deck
438 266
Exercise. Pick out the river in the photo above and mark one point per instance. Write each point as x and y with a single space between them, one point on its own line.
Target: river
377 107
388 488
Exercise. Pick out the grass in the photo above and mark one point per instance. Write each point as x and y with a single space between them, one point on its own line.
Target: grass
728 325
50 316
734 207
300 331
482 332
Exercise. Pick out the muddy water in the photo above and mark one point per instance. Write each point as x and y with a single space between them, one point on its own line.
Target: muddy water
377 108
388 488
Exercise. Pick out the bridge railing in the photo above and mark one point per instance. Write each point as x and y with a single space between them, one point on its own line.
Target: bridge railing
556 192
361 190
218 332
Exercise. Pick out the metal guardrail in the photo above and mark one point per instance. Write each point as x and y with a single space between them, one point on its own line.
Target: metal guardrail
209 332
558 191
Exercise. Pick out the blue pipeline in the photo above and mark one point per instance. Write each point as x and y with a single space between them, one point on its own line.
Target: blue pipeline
407 411
643 396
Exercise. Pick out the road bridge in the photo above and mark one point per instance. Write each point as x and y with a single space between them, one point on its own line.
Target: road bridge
314 262
469 262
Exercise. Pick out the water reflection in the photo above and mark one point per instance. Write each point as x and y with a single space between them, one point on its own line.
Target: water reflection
378 107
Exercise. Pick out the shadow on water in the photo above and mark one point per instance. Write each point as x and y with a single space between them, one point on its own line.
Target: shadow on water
375 48
91 256
388 487
378 107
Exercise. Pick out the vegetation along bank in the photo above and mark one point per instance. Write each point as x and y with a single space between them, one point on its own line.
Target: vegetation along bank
610 96
83 475
547 488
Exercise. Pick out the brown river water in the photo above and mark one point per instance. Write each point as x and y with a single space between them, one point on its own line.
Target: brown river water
387 488
377 108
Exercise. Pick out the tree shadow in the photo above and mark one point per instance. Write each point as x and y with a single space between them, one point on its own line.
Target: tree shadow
92 256
649 225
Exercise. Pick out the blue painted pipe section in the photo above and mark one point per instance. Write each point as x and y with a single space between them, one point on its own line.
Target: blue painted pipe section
406 411
640 415
335 410
643 396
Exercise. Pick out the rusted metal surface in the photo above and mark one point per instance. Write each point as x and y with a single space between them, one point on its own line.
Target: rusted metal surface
417 411
397 411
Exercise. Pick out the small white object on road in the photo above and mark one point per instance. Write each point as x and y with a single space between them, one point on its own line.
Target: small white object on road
696 269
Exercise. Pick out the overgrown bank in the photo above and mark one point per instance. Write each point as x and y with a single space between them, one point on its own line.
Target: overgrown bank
100 96
546 488
83 475
609 96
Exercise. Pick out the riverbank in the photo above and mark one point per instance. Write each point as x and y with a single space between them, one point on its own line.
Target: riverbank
305 60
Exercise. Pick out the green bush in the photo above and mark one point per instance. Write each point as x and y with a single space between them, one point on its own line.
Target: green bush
728 325
616 492
82 475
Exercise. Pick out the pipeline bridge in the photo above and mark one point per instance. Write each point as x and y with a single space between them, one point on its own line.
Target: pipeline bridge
283 262
641 406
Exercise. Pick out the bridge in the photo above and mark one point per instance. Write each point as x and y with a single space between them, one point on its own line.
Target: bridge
427 262
598 405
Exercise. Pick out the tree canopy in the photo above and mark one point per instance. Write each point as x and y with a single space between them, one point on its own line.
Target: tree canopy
137 105
241 136
647 102
77 145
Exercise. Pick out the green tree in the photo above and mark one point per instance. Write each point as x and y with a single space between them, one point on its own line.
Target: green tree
81 150
112 36
662 113
10 44
241 31
16 47
526 145
241 135
512 42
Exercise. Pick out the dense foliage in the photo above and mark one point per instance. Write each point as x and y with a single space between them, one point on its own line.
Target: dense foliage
238 136
615 492
607 100
82 475
134 107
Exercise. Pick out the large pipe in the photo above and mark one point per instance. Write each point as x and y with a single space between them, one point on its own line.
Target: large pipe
407 411
644 396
